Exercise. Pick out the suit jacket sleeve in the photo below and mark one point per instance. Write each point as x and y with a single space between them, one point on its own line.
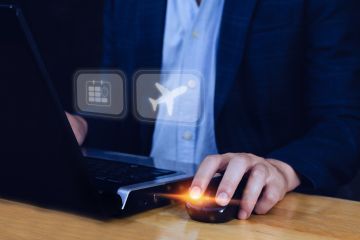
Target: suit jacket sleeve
328 154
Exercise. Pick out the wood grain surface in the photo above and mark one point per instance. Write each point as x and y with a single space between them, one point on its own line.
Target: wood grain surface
296 217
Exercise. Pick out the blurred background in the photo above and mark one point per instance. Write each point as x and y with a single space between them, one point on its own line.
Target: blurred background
69 35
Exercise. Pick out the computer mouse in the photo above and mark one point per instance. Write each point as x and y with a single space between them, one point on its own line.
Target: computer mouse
206 210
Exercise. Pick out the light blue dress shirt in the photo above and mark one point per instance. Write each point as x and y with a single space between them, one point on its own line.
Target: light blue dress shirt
190 44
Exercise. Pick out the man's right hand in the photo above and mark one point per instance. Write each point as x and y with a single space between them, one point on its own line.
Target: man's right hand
79 127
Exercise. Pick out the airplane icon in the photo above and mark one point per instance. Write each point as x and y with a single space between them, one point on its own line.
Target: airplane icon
167 97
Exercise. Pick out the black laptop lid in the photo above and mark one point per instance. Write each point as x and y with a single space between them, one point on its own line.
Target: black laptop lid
40 159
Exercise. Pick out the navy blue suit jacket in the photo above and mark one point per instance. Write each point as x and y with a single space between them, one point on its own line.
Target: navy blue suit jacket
287 86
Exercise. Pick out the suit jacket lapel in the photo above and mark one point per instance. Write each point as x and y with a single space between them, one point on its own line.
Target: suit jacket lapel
236 20
149 29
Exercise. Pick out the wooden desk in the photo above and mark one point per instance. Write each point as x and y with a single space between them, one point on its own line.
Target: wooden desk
296 217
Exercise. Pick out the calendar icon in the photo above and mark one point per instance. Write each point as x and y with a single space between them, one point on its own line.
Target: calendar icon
98 93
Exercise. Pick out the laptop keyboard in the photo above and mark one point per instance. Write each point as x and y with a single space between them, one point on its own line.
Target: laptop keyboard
122 174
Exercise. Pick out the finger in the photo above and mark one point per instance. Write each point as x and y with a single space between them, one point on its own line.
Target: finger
252 191
235 171
270 197
83 122
206 172
82 126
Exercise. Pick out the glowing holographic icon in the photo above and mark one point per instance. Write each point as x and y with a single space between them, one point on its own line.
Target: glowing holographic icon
167 97
98 93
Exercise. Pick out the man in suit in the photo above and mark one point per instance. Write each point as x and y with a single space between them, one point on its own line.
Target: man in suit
282 91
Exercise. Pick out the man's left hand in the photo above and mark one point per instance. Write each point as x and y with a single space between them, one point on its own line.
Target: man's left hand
268 182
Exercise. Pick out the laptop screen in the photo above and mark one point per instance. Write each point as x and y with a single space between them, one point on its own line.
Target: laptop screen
40 161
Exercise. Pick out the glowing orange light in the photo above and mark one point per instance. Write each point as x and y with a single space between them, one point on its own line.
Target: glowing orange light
195 195
197 199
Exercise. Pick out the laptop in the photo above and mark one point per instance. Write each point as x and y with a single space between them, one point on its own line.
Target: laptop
41 162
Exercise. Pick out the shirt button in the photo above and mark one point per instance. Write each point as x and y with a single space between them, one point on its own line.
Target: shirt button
187 136
192 84
195 34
